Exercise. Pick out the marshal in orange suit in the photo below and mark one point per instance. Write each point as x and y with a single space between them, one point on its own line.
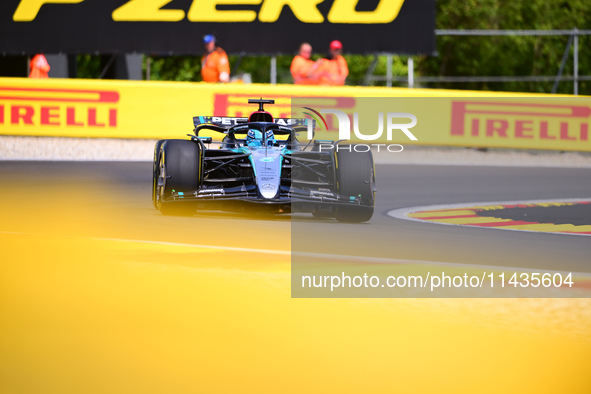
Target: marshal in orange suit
214 64
303 69
333 70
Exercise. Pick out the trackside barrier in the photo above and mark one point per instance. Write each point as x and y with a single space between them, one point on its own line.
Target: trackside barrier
153 109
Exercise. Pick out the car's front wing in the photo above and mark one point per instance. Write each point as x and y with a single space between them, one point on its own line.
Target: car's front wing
287 195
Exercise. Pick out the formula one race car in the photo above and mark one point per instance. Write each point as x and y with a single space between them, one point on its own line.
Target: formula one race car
261 164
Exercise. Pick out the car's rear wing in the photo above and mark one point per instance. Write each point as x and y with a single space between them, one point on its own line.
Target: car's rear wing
228 121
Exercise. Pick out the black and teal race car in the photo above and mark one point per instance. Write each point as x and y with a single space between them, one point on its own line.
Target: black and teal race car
260 164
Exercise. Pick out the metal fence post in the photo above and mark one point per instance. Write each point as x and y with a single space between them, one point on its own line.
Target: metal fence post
411 72
576 61
389 70
148 68
273 70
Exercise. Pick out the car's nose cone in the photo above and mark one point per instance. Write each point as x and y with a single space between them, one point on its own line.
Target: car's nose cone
267 169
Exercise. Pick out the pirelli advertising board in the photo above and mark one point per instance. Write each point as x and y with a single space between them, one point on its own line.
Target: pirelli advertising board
250 26
151 109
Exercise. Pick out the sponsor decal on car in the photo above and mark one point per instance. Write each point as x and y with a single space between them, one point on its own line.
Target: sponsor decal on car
319 193
211 191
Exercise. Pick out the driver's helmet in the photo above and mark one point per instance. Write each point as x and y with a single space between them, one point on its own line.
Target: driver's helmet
255 138
270 137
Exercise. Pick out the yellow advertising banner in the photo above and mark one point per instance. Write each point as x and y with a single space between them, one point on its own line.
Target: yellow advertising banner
535 122
153 109
103 109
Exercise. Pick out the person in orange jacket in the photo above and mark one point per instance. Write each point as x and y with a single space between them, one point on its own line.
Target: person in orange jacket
333 69
303 69
39 67
214 64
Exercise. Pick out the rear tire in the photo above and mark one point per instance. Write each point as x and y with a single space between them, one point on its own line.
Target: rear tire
179 170
355 177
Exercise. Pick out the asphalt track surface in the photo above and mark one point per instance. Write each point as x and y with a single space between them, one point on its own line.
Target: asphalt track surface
101 293
127 185
578 215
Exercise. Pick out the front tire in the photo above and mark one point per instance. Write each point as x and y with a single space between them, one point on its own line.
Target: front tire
179 170
155 168
355 177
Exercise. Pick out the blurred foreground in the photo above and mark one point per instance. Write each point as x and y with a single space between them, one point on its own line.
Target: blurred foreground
92 301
